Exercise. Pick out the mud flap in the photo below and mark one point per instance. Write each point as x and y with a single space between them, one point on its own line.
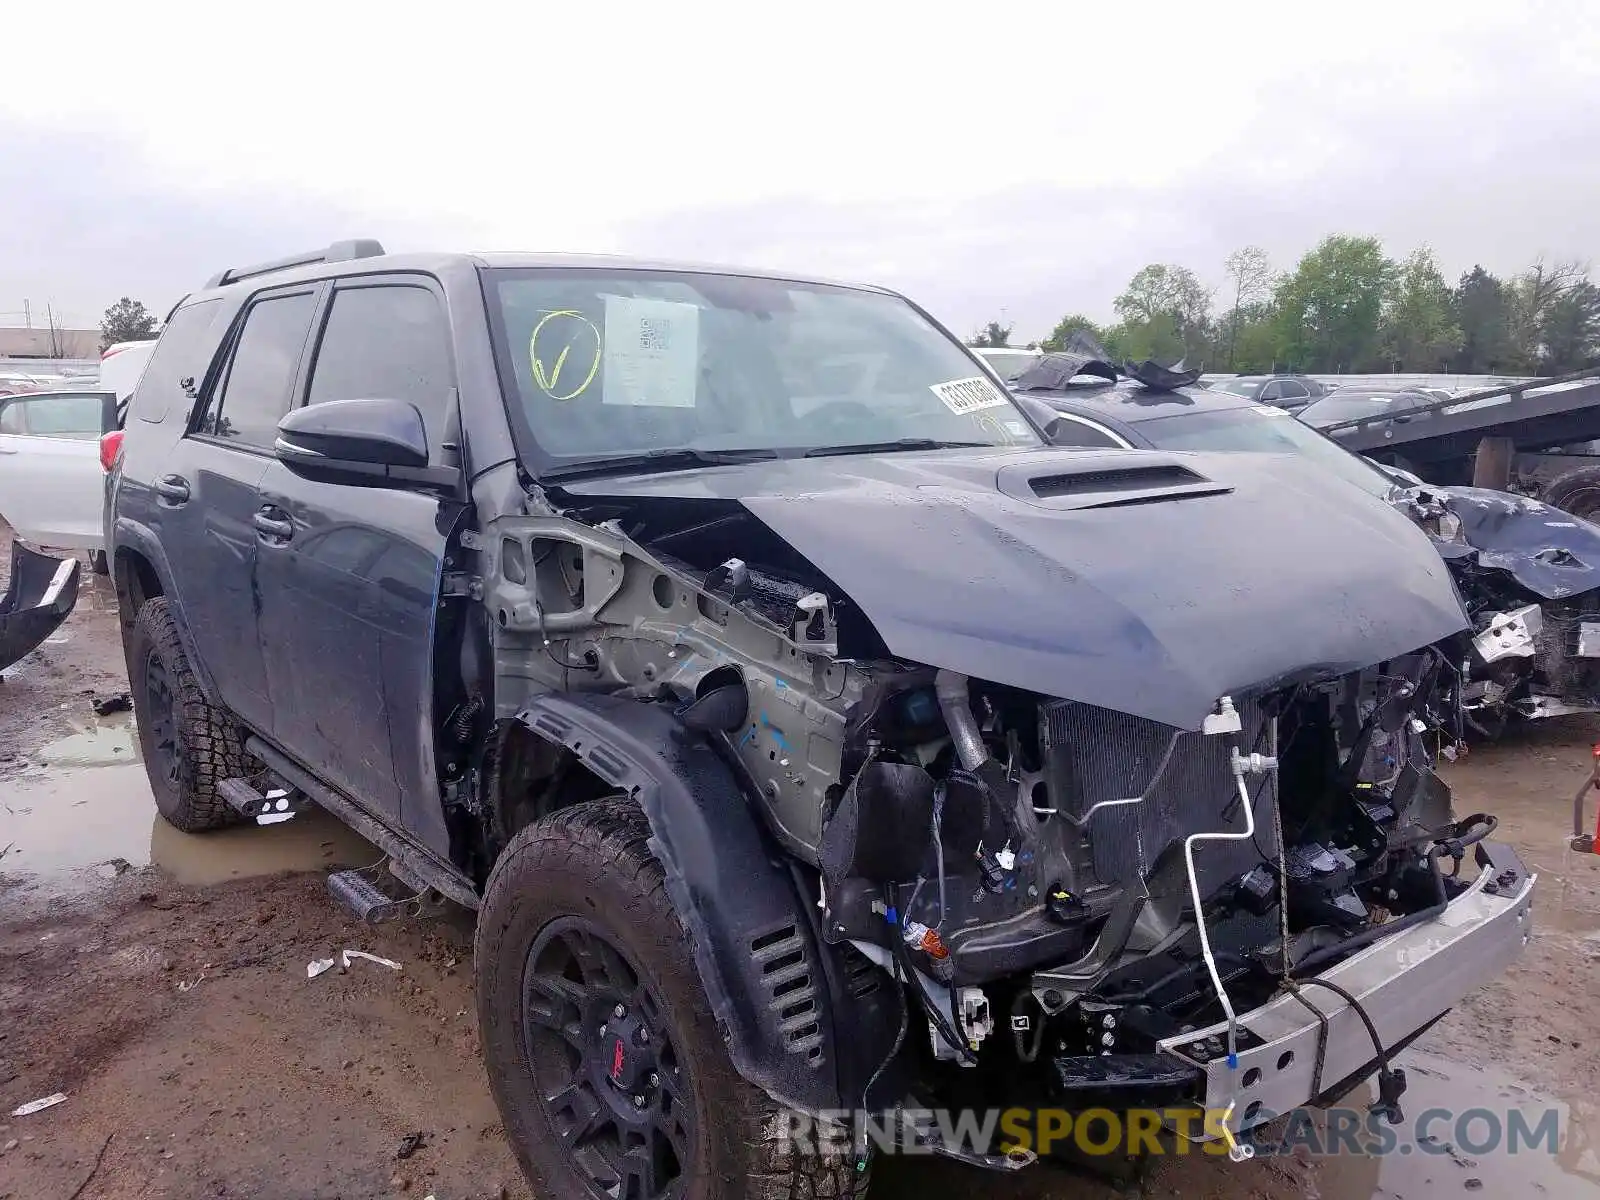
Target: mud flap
775 989
41 593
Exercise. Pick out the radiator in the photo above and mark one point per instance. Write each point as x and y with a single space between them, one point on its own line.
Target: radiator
1094 754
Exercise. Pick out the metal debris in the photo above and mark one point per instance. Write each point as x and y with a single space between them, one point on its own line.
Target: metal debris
33 1106
410 1144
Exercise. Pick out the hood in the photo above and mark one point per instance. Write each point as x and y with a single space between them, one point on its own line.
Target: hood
1550 552
1145 582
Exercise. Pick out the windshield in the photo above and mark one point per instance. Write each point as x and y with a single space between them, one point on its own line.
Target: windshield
1008 364
1236 387
601 363
1266 431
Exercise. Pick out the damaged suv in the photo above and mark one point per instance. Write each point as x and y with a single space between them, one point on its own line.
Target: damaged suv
809 734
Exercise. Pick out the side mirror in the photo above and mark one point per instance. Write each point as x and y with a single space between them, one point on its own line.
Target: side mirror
373 442
1401 418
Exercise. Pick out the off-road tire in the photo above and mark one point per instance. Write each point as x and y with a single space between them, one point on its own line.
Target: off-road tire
98 562
209 742
593 860
1576 492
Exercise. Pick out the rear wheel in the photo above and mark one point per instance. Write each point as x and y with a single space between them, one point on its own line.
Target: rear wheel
1576 492
606 1062
189 746
98 563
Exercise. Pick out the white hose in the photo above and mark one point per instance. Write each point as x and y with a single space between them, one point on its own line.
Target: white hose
1241 764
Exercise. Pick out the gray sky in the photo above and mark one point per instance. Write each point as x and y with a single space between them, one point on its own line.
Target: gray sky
1031 165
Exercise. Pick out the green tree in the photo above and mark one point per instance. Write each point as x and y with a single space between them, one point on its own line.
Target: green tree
1483 315
1420 332
1250 274
1069 325
1570 331
1255 346
1530 299
993 334
1328 309
126 321
1166 310
1159 337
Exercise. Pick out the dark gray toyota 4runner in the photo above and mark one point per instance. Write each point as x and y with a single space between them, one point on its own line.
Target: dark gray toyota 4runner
816 742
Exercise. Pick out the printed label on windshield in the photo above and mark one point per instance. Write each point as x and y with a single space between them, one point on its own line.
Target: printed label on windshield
1267 410
963 396
652 352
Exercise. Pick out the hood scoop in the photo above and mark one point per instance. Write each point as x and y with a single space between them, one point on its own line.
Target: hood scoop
1095 484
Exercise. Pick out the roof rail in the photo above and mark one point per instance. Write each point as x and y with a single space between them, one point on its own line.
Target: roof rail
337 252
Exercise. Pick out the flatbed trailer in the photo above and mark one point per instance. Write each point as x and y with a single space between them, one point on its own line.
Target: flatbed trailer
1540 437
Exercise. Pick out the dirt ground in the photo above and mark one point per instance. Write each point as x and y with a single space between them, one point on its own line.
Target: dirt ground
159 980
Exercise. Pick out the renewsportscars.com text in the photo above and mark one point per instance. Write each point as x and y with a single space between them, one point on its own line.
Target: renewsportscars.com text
1099 1131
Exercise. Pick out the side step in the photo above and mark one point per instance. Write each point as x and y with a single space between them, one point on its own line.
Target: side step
376 894
247 798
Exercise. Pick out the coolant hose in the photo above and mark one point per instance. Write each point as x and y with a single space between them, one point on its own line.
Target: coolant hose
956 705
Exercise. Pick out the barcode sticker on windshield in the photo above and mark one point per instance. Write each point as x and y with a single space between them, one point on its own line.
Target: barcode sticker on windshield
963 396
652 352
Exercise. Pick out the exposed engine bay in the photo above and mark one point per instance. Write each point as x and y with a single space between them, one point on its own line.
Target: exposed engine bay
1529 576
1057 882
1037 866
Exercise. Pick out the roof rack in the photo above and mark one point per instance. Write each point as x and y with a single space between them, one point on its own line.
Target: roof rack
337 252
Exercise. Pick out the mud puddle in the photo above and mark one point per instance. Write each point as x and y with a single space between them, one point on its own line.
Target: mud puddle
81 810
1458 1138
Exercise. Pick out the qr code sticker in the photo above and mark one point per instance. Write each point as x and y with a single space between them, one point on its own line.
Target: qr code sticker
655 334
963 396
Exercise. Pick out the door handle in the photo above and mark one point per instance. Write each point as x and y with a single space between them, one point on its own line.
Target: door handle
272 527
174 489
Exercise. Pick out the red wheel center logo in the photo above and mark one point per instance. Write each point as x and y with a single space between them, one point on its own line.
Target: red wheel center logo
616 1059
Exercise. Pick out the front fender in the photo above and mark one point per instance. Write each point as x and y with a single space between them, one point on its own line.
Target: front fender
773 987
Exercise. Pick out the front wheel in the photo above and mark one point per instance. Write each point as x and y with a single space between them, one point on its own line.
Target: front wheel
603 1054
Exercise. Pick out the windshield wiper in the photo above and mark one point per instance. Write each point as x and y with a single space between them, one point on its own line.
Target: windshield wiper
906 443
680 458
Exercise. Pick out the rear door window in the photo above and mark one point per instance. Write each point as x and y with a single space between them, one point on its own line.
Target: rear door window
388 341
1289 389
255 390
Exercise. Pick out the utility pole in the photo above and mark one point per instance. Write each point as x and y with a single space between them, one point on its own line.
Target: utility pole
27 314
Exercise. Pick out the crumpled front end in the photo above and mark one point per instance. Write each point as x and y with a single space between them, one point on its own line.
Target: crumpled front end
39 596
1079 754
1529 576
1106 907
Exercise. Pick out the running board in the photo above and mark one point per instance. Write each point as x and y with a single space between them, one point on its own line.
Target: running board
369 893
416 864
245 798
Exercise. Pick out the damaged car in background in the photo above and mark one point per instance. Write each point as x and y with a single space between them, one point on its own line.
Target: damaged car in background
39 595
809 732
1529 574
